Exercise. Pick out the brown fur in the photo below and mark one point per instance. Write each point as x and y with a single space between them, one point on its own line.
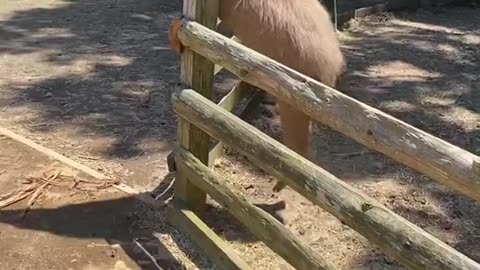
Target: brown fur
175 43
296 33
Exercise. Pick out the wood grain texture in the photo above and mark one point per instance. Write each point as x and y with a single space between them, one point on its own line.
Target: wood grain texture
207 241
260 223
436 158
397 237
196 71
240 91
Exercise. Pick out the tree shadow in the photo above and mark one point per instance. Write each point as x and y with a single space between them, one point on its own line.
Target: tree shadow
128 222
438 96
103 67
223 223
438 92
118 221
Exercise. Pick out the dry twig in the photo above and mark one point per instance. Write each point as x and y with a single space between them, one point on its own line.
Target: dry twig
34 197
37 185
17 196
148 254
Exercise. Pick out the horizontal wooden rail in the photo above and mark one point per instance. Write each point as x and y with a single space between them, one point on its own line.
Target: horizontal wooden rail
260 223
235 95
410 245
210 243
442 161
219 68
240 91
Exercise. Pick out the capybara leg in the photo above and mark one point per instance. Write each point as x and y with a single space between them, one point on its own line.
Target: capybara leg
296 132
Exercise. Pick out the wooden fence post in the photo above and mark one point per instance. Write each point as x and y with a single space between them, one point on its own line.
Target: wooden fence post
196 72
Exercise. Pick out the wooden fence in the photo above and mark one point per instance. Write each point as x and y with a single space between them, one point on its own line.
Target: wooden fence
200 118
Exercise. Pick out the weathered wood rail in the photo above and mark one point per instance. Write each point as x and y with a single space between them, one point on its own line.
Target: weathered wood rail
440 160
200 118
396 236
261 224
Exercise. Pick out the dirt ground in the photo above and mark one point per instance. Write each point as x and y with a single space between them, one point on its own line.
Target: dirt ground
40 244
92 80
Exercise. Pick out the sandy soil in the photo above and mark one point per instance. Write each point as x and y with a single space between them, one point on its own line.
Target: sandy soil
92 81
57 232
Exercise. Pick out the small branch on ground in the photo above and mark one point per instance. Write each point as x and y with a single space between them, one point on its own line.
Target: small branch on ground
36 186
150 256
16 196
34 198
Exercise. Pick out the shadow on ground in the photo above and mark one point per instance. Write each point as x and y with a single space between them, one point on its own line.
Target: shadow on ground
118 221
422 69
105 69
123 221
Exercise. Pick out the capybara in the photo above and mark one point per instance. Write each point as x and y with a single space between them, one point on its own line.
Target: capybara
296 33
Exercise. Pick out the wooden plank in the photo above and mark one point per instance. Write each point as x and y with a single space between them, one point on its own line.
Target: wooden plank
397 237
440 160
240 91
215 153
377 8
206 240
261 224
219 68
361 12
196 72
226 32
